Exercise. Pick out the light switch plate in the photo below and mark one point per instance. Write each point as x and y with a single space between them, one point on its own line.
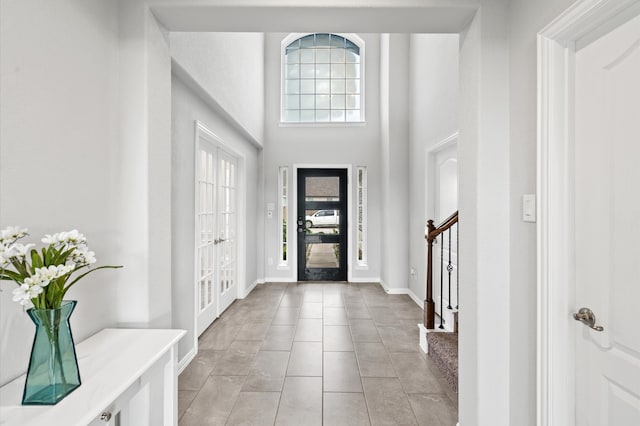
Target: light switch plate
529 207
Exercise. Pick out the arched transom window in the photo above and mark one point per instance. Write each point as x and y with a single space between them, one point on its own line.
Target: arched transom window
322 79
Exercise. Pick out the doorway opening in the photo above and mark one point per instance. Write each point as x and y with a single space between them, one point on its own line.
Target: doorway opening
322 224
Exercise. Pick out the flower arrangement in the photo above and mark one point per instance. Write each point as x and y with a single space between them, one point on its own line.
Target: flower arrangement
44 277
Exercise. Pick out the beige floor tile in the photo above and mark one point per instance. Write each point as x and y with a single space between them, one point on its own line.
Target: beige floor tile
311 310
267 374
373 360
255 409
305 359
301 402
254 330
414 374
313 295
279 338
291 300
238 359
185 398
337 338
335 316
214 402
357 311
333 299
359 344
383 316
219 336
286 316
341 372
364 330
196 373
345 409
309 330
433 410
407 311
388 404
399 338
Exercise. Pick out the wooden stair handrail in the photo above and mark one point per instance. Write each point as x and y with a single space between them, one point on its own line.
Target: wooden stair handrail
446 224
432 234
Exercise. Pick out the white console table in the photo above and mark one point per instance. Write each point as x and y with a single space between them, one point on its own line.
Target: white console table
129 377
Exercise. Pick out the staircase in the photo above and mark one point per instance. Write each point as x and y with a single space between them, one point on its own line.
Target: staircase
443 349
441 341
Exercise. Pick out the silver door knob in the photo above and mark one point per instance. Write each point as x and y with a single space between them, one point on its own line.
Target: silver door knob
588 318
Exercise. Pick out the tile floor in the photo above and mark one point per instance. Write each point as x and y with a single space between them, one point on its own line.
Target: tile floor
315 354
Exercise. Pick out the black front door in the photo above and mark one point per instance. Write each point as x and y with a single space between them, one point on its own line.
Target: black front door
322 224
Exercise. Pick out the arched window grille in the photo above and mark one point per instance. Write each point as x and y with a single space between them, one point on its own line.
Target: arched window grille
323 79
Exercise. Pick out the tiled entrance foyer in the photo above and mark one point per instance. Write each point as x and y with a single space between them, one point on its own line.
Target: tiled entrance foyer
315 353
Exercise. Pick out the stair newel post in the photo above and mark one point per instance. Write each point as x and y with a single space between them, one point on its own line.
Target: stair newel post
449 270
441 326
429 305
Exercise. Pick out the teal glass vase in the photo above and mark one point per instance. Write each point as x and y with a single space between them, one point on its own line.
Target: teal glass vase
53 366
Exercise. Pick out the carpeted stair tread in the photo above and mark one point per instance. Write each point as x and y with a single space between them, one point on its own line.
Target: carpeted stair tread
443 349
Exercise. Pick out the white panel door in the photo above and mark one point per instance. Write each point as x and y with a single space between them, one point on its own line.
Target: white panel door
607 229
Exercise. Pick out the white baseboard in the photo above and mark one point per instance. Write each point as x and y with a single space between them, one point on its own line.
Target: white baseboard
416 299
186 360
364 280
279 280
424 345
403 290
248 290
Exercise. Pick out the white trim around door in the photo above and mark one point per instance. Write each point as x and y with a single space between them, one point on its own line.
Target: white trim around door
556 284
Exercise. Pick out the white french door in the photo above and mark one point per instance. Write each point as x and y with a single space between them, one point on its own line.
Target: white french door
216 230
227 225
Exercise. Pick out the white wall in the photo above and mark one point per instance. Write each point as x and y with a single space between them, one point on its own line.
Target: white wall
190 103
230 67
58 150
526 18
484 202
394 156
434 117
357 145
144 173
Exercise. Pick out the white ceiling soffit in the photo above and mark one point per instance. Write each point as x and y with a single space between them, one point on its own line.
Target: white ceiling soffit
355 19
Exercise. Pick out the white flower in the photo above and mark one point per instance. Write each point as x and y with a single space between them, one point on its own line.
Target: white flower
17 250
11 234
43 276
82 256
4 261
25 293
70 239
